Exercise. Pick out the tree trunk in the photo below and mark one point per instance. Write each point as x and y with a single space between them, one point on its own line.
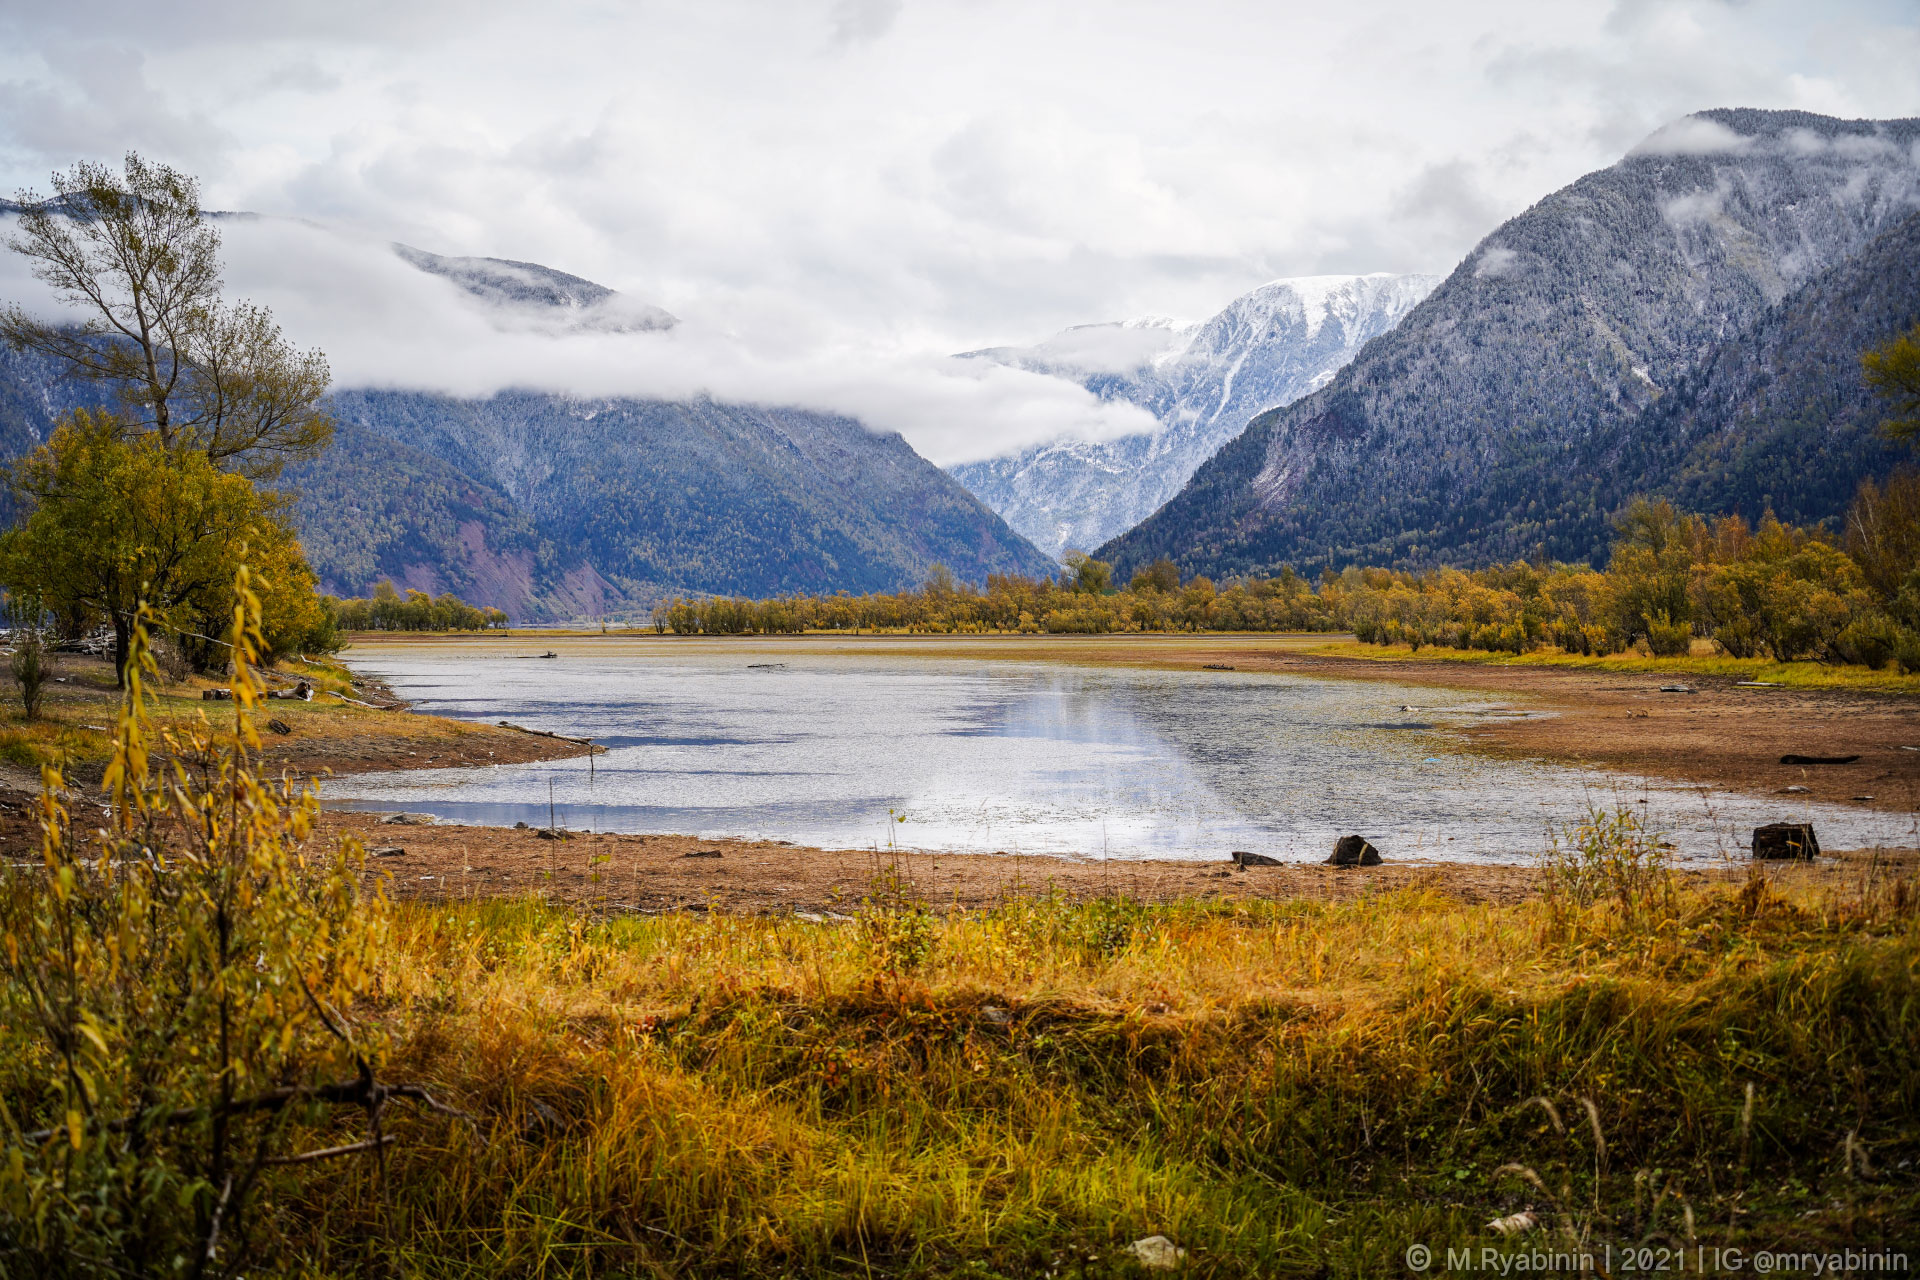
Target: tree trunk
122 641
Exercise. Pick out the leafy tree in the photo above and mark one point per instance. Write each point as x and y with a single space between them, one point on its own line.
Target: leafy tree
112 520
1652 568
1084 573
134 255
940 581
386 611
1163 575
1883 530
1893 369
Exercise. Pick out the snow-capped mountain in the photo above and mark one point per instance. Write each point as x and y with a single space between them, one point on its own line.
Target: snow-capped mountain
1203 382
1686 322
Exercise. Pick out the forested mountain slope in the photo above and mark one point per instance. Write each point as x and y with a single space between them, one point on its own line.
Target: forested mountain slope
1780 417
1203 382
634 499
1496 420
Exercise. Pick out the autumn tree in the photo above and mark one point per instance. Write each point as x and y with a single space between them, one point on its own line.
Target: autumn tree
112 521
137 262
1084 573
1893 369
1162 575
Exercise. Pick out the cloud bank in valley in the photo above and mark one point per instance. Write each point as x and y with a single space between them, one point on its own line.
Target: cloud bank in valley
384 323
835 194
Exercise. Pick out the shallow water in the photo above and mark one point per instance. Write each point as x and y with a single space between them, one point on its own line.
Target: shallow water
988 756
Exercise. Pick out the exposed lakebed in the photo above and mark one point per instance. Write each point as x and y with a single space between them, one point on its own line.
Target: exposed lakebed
829 748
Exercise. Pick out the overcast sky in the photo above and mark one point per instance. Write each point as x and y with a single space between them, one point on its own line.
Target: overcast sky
835 193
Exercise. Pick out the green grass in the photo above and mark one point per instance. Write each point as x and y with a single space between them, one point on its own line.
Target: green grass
1285 1089
1798 675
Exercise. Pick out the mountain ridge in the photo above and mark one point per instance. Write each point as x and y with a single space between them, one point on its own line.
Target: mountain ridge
1453 437
1202 381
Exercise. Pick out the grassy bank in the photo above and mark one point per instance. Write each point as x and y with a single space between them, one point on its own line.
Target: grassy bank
1795 675
81 702
1283 1089
330 733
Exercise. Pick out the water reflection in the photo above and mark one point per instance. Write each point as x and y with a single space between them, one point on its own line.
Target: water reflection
991 756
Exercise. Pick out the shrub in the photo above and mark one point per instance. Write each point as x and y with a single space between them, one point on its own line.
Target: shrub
1669 639
1607 857
29 666
173 987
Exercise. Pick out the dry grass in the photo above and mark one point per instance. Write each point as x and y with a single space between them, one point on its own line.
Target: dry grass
1284 1088
1796 675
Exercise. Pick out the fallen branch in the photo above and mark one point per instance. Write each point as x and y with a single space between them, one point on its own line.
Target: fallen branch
542 733
371 706
364 1092
351 1148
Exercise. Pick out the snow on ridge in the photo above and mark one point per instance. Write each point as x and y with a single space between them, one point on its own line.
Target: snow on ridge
1266 348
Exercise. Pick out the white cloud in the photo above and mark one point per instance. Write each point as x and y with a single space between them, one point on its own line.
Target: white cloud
1693 136
846 190
383 323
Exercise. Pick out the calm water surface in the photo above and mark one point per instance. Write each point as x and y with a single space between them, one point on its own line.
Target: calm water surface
985 755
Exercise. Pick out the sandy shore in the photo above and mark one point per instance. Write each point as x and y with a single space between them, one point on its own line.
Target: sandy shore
649 874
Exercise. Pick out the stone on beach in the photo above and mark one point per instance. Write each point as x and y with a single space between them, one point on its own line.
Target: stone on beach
1352 851
1785 840
1246 859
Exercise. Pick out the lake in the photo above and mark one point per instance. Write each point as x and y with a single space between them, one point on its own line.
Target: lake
834 744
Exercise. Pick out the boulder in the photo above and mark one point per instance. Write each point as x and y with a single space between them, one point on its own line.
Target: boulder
1352 851
280 727
1157 1253
1785 840
1246 859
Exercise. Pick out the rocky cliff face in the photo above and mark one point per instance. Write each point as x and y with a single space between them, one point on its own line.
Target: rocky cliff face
1203 382
1499 418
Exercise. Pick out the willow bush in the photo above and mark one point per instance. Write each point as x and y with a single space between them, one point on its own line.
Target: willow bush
174 988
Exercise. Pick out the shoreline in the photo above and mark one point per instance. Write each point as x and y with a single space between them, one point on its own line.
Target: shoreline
657 874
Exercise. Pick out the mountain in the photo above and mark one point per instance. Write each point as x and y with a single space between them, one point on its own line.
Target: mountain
554 507
1517 407
551 506
1203 382
1780 418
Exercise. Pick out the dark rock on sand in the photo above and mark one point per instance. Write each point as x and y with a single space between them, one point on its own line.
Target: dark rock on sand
1352 851
1785 840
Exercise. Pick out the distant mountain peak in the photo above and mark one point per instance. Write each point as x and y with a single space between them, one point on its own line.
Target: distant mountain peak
536 292
1203 382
